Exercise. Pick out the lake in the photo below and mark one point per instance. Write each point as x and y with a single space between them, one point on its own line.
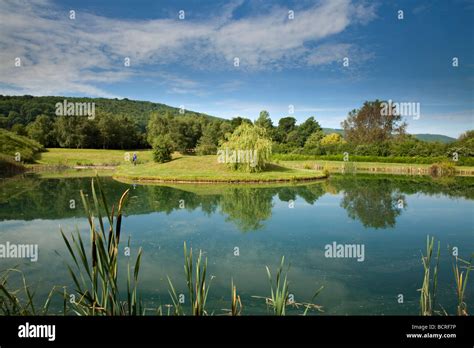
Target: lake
242 228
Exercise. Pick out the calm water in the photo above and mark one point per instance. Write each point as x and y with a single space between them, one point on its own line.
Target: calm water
389 216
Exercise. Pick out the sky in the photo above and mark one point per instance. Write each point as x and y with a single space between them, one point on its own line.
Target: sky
295 58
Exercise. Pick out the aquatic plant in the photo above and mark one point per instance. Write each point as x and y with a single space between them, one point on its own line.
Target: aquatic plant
430 279
21 301
444 168
461 282
279 298
197 283
96 276
236 307
279 292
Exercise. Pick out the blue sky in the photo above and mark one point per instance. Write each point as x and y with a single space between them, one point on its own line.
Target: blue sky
190 62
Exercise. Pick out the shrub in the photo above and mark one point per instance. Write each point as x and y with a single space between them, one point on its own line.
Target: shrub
11 144
332 139
463 161
461 151
372 150
443 169
162 149
313 140
283 148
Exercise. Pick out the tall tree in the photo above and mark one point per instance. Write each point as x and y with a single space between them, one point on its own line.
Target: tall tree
285 126
41 130
247 149
265 121
369 125
237 121
307 128
76 132
207 144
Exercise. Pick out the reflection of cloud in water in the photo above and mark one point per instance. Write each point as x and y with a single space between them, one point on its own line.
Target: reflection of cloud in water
49 270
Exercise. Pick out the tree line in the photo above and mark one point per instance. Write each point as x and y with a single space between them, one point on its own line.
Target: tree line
126 124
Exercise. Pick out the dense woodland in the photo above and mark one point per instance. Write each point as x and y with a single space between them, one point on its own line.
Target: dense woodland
128 124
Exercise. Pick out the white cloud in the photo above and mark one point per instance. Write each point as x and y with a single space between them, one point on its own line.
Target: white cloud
326 53
60 55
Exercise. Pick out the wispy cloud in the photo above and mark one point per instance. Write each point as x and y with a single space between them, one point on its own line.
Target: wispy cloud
59 55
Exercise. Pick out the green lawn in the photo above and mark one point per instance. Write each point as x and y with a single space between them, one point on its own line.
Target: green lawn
207 169
91 157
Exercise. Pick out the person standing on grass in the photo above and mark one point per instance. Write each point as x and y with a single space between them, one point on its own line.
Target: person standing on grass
134 158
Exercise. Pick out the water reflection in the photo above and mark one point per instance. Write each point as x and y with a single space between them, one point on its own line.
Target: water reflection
375 201
214 218
372 204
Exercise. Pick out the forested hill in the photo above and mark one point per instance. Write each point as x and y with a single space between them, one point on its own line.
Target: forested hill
24 109
435 137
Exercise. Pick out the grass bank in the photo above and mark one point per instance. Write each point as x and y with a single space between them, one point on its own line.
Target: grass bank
90 157
13 145
463 161
55 162
206 169
370 167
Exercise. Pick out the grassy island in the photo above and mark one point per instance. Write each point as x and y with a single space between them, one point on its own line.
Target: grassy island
206 169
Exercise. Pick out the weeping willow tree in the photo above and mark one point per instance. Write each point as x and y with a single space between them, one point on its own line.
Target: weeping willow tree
247 149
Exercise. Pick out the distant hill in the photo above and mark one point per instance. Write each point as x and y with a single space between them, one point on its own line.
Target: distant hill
333 130
425 137
434 137
24 109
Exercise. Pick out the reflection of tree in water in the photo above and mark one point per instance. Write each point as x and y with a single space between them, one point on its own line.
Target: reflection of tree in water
30 198
247 207
167 199
310 193
375 203
374 200
369 198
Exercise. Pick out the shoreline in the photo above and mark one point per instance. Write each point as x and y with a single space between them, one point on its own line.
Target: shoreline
126 179
334 167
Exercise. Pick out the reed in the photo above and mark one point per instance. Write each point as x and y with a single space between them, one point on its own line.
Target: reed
236 304
177 306
95 276
280 291
279 298
461 279
20 302
196 281
430 279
